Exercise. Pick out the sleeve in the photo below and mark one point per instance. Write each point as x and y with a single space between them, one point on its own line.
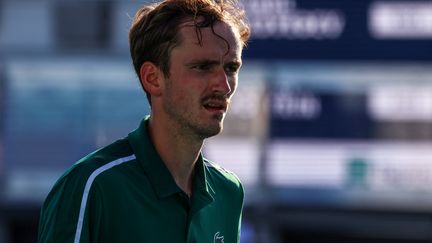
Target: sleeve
67 211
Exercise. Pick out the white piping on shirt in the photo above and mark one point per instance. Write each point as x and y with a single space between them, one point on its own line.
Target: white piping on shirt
88 187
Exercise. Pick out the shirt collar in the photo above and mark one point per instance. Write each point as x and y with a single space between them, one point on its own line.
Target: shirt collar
159 176
203 194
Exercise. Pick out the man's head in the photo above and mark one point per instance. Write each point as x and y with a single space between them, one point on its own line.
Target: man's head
155 29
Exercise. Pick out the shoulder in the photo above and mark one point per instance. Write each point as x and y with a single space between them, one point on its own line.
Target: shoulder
64 206
87 169
79 179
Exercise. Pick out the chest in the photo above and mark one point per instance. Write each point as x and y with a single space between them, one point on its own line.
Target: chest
141 217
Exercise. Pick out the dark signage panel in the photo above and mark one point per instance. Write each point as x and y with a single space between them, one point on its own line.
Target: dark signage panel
337 29
318 114
312 114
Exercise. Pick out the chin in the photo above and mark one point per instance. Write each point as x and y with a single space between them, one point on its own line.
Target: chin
210 131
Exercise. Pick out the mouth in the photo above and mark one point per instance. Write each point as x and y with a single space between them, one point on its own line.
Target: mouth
219 106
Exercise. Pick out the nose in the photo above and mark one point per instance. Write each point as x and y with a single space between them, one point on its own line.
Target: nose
221 83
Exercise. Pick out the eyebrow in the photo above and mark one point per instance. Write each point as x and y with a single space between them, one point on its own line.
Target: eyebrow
203 62
212 62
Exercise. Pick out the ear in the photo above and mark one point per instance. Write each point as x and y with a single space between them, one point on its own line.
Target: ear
151 78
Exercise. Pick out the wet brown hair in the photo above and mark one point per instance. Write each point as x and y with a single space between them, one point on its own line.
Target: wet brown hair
155 28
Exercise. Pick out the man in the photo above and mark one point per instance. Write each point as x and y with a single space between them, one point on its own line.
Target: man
154 185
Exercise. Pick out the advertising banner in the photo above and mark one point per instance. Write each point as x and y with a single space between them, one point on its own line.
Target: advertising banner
335 30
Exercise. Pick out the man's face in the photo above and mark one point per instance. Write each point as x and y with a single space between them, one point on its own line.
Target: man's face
202 79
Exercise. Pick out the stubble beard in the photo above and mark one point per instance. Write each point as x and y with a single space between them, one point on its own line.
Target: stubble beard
188 123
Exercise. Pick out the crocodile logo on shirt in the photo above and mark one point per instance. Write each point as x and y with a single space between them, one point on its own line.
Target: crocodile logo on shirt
218 238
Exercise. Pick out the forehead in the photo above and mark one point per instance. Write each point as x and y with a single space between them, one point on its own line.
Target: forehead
222 39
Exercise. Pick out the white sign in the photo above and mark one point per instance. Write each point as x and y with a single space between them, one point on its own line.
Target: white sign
401 20
281 19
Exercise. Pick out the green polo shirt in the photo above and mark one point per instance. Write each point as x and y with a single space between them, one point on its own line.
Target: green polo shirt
125 193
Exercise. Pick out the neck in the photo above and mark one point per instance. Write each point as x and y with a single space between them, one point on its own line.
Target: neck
178 151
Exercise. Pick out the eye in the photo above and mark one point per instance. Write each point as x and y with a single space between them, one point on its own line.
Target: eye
232 68
202 67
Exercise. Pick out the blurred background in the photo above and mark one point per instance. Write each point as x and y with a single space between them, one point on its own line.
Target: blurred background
330 130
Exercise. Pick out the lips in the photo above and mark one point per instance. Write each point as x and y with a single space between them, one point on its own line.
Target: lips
216 105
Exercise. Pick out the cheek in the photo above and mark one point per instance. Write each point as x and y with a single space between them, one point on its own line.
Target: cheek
185 93
187 87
